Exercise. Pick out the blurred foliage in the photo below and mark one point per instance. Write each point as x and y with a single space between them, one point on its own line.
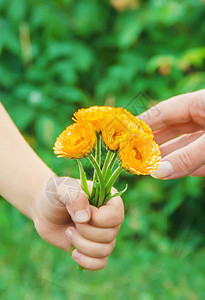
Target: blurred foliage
59 55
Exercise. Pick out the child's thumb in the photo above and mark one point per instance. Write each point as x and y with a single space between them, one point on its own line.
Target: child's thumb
72 196
79 209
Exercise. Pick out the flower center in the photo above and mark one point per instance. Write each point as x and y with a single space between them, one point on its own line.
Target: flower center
138 155
78 141
115 134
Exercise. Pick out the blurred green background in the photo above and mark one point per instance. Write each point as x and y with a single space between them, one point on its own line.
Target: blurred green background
59 55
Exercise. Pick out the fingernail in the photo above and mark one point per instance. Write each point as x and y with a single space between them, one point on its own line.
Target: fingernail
69 233
82 215
75 254
164 170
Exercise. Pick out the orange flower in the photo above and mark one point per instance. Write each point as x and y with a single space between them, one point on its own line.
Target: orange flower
120 129
138 152
113 127
118 123
139 123
76 141
93 114
112 122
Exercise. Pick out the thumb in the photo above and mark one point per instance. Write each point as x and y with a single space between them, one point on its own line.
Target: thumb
73 197
182 162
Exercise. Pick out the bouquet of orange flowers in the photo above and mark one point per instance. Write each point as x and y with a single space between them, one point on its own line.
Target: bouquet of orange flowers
125 137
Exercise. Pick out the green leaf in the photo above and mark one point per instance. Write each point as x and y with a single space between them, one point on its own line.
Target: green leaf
108 175
112 179
128 29
98 160
83 179
109 196
100 179
88 17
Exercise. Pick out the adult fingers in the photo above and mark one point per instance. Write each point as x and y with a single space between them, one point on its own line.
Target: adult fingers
199 173
89 263
179 109
168 133
89 248
96 234
109 215
183 161
179 142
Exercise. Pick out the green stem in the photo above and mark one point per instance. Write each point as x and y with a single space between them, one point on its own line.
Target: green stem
112 162
100 179
98 159
112 179
98 150
83 179
94 200
106 163
96 197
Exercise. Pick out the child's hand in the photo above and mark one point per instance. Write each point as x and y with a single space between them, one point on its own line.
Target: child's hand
64 218
57 206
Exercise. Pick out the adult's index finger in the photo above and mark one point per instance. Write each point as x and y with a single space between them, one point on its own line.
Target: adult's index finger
176 110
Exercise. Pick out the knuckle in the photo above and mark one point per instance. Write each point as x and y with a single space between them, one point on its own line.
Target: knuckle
109 251
93 265
108 238
106 250
122 216
198 113
111 234
110 248
119 217
185 160
90 266
103 263
114 233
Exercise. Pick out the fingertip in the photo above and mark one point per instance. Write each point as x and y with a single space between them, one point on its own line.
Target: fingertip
76 255
82 216
80 209
164 171
89 263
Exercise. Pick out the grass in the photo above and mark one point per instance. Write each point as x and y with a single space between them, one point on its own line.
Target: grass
32 269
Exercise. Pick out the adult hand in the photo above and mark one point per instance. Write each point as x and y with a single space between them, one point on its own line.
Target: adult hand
64 218
178 126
